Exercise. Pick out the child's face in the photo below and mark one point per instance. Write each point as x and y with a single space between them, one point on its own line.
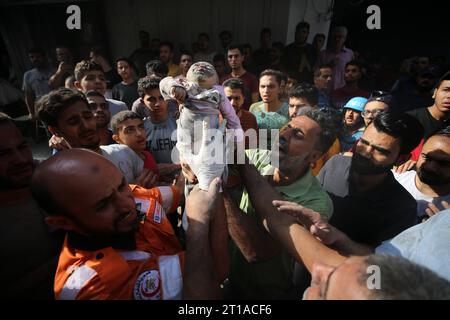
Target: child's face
92 80
207 83
124 70
131 133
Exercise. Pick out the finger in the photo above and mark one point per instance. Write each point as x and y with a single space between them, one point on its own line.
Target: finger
214 186
429 212
279 203
432 207
445 204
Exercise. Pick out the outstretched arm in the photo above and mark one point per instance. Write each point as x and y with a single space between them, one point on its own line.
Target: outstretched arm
294 238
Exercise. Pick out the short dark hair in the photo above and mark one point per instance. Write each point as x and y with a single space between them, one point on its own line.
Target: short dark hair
130 63
354 63
186 53
445 77
403 280
156 66
329 131
234 83
302 25
147 83
203 34
99 51
400 126
235 46
247 45
85 66
275 73
265 30
94 93
166 44
306 91
54 103
120 117
320 67
224 33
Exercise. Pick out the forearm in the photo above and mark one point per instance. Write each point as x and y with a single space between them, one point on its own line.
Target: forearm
347 246
218 240
252 239
29 100
200 280
295 239
56 80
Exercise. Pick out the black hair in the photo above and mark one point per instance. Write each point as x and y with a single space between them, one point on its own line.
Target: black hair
306 91
122 116
147 83
401 126
234 83
235 46
156 66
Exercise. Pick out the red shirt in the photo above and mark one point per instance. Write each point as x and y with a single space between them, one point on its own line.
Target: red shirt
251 84
149 162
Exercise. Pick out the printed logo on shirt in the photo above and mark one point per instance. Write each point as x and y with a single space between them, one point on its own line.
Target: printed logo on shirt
147 286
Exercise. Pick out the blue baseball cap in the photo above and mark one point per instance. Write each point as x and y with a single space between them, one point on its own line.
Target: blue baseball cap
356 104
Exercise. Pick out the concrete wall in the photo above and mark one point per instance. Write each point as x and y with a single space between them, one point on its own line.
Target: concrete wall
180 22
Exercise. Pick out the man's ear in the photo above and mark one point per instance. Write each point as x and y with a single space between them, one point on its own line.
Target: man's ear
434 93
402 159
117 139
77 85
60 222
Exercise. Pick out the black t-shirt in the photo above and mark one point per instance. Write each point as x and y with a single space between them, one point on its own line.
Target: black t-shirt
127 93
430 124
367 217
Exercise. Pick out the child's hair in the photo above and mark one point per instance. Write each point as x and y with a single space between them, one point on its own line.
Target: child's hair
120 117
201 71
85 66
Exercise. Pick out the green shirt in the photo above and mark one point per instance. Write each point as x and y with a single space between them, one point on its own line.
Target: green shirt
272 279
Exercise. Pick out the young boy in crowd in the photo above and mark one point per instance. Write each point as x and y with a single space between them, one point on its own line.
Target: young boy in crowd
128 129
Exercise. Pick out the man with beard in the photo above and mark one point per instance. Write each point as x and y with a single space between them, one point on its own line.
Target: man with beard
430 185
99 107
436 117
67 115
352 124
35 81
419 96
259 269
120 244
28 249
352 76
370 206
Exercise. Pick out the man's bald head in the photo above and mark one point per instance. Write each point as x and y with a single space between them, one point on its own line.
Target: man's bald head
67 171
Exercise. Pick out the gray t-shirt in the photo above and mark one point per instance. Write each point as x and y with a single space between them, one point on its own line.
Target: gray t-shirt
161 140
116 106
36 81
425 244
125 159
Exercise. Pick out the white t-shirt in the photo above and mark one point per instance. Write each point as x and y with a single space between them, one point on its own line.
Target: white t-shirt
125 159
407 180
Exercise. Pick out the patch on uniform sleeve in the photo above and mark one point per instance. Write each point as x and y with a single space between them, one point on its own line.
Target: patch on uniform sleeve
147 286
158 214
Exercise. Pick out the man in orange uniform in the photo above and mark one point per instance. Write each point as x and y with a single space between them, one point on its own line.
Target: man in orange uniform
120 244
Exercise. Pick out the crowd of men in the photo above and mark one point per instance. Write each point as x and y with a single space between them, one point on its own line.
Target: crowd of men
362 179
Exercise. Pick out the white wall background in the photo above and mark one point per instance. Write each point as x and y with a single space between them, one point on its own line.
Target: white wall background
181 22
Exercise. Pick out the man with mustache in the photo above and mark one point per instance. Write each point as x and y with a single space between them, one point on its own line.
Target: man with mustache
370 206
259 269
119 243
99 107
430 183
67 115
28 248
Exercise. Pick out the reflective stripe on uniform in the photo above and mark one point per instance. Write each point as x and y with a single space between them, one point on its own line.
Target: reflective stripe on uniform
166 197
76 281
171 277
135 255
